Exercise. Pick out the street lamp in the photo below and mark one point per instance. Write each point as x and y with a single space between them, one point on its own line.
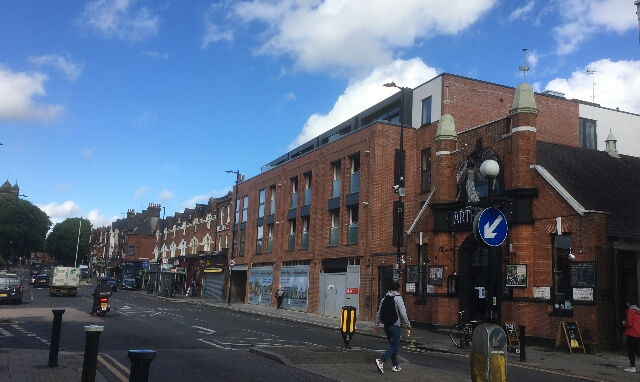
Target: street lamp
233 240
490 170
399 188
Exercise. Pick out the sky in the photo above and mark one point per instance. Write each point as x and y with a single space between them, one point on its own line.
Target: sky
109 105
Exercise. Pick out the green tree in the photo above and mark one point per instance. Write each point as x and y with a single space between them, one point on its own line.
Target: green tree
23 228
63 241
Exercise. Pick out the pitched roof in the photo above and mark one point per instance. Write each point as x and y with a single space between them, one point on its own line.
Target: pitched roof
598 182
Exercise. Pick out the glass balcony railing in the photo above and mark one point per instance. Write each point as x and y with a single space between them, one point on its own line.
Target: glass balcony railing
352 234
272 207
269 245
259 247
333 236
354 183
292 242
335 189
304 244
307 197
294 200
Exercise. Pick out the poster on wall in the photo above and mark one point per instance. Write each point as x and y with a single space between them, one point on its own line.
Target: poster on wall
436 275
295 283
260 286
516 275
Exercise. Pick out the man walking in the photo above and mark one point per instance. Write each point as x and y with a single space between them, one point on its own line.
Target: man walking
632 331
391 313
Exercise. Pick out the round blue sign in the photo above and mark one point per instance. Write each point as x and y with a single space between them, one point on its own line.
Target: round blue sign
491 226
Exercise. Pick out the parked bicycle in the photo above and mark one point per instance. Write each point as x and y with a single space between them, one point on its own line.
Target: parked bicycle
462 332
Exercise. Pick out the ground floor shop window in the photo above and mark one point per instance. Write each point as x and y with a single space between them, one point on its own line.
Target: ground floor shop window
562 296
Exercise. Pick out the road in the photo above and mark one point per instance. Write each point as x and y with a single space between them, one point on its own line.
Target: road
194 341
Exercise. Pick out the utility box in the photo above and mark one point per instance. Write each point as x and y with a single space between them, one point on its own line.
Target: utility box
347 324
488 354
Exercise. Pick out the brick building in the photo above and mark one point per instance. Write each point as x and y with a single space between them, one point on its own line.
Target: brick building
323 220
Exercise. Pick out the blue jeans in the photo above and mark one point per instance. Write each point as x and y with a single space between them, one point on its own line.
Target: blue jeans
393 335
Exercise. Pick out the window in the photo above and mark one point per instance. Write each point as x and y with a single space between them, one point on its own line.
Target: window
304 243
334 231
354 182
242 239
352 234
261 200
307 189
291 245
426 111
237 217
336 185
269 238
588 137
425 170
562 292
294 192
259 235
272 200
245 207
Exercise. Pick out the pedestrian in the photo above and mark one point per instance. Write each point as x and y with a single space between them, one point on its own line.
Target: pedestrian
391 313
279 296
632 330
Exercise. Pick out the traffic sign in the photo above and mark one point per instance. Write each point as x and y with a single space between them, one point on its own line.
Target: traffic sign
491 227
232 263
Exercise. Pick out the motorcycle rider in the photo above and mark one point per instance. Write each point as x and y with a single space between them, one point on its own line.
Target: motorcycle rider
101 287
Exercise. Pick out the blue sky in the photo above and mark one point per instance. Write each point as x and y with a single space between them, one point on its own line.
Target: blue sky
110 105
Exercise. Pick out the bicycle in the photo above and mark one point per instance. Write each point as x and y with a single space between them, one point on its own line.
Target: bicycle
462 332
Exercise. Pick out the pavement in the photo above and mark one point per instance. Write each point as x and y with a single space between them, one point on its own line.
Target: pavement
340 364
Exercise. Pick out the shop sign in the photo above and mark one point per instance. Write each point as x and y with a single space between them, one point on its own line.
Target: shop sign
352 290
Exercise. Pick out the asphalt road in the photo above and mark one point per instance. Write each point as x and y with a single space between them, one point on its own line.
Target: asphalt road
196 342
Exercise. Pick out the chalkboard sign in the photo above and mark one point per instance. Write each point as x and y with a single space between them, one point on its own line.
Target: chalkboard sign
569 334
583 274
512 334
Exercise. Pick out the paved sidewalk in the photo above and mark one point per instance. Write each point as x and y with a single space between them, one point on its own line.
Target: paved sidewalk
25 365
357 364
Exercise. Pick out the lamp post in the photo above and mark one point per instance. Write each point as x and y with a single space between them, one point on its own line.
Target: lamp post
233 240
490 170
399 189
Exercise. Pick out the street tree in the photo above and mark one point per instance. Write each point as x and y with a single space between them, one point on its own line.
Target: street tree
68 242
23 229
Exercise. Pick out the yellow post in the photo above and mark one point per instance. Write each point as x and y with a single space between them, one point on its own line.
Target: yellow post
489 354
348 324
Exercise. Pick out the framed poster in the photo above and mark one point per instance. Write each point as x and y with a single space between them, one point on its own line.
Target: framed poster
436 275
583 274
516 275
413 276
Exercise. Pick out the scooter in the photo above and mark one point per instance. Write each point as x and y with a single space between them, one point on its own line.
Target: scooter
104 307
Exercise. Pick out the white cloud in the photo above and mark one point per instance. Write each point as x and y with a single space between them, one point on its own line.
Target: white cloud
614 80
70 69
584 18
17 97
156 55
58 212
119 19
140 192
98 219
88 153
213 32
191 203
365 92
522 12
353 34
166 195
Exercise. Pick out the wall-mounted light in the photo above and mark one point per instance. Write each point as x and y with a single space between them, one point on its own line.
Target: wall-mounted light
571 255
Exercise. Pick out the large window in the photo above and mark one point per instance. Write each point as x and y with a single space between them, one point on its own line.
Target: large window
588 138
259 235
269 238
245 207
291 245
426 111
352 234
335 187
334 231
261 200
562 292
294 192
354 183
272 200
425 170
307 189
304 242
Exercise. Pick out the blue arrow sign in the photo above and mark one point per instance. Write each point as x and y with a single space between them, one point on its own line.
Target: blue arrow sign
492 226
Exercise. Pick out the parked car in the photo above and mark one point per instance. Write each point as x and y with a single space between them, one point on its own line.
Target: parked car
129 283
10 288
41 281
110 281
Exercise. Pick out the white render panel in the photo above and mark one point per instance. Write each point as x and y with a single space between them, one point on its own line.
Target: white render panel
624 126
432 88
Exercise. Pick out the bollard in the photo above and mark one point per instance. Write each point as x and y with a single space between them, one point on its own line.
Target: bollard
140 361
55 337
91 352
523 341
488 354
347 324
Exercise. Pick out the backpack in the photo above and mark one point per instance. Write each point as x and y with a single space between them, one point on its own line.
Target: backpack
388 312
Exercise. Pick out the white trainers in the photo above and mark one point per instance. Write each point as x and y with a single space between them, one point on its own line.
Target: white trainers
630 369
396 368
380 366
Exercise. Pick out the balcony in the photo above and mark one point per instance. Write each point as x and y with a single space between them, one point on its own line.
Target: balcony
269 245
307 197
352 234
259 247
294 200
354 182
292 242
304 244
335 188
334 233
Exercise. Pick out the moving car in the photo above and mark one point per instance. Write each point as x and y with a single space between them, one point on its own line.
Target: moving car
129 282
41 281
10 288
110 281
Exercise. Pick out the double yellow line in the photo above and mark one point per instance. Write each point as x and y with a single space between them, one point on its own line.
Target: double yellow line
115 367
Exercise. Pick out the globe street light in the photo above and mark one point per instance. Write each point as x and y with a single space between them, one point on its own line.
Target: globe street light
399 188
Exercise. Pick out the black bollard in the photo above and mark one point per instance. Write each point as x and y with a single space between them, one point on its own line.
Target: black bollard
55 337
523 343
140 361
91 352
